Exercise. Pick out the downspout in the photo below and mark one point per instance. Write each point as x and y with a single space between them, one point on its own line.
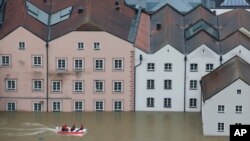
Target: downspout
47 60
140 58
185 66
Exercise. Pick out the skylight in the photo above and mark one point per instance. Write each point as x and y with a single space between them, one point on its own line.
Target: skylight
235 3
201 25
37 13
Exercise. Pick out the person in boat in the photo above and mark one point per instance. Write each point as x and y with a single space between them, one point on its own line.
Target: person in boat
65 128
81 128
73 128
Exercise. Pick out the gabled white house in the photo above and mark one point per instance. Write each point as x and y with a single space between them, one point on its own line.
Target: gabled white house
225 93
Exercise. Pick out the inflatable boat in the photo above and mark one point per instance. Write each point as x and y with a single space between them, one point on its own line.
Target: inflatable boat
76 132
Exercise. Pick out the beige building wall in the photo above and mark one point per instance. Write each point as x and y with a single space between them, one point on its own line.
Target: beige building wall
22 71
111 47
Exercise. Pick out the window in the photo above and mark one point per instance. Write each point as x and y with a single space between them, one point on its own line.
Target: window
61 64
221 108
167 103
118 64
193 84
238 109
193 67
150 102
209 67
37 61
96 46
150 84
37 106
99 106
78 64
168 67
167 84
37 85
117 86
56 106
56 86
5 60
78 106
192 103
11 106
10 85
99 64
21 45
80 46
238 91
99 86
220 127
118 106
78 86
151 67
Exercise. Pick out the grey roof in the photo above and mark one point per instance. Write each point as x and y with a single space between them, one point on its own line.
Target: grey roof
154 5
228 3
223 76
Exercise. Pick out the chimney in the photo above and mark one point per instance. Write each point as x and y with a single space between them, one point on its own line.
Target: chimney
80 10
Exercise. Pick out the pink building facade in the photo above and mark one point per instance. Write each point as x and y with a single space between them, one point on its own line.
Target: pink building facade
77 61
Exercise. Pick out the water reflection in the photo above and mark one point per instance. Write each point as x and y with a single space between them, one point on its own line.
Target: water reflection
104 126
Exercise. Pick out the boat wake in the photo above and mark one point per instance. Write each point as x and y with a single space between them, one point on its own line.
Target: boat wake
27 129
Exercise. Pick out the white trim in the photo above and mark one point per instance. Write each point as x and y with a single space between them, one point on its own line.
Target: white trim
118 110
11 108
103 104
52 106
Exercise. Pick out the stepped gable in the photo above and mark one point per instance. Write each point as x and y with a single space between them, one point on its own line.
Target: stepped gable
232 21
223 76
16 16
200 13
165 26
202 38
101 15
234 40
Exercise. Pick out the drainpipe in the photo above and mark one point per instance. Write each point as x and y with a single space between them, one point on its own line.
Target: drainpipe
47 76
140 58
185 75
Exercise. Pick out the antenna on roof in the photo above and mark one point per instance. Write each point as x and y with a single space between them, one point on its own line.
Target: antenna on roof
80 10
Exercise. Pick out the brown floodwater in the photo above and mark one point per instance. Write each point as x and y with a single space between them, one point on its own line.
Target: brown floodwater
104 126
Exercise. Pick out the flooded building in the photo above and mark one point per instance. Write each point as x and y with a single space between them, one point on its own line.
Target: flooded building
65 56
225 94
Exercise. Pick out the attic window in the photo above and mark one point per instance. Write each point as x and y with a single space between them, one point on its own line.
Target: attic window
117 7
116 3
238 91
158 26
80 10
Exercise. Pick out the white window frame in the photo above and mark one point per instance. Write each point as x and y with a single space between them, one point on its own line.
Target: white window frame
34 107
167 103
4 61
60 66
150 103
95 85
78 90
96 46
238 109
97 64
80 46
192 103
118 66
115 83
221 108
209 67
119 107
150 66
97 108
21 46
193 85
77 64
167 84
60 85
77 109
221 127
193 67
12 88
11 108
150 84
168 67
57 109
35 62
34 85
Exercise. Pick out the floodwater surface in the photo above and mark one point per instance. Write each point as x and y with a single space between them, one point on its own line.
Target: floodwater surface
104 126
